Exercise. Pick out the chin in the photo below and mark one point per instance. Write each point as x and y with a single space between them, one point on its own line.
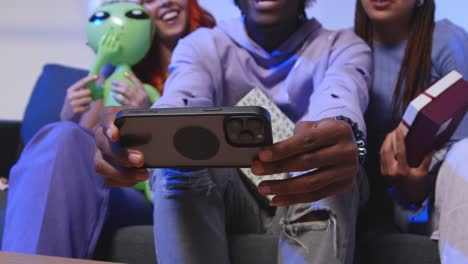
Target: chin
174 33
266 20
171 30
382 17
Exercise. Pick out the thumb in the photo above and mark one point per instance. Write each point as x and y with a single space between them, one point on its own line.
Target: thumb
424 166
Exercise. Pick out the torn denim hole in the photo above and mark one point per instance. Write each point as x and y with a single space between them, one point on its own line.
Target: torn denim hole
313 218
176 182
361 71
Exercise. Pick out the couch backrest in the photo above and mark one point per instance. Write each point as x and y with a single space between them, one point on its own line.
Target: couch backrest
47 97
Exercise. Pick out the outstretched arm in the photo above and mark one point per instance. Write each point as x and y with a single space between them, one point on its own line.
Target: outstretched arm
322 143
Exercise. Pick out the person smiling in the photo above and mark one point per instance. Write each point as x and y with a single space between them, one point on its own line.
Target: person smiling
319 78
57 203
410 51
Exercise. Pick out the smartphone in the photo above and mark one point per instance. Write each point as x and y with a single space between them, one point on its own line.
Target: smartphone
196 137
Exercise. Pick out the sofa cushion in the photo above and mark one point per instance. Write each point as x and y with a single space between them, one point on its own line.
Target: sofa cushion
135 244
399 248
47 97
253 248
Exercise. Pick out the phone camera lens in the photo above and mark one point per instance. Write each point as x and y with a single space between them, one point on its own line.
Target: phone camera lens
234 125
260 137
234 137
254 124
246 137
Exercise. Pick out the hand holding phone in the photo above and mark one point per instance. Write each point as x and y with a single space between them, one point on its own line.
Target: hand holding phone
119 167
196 137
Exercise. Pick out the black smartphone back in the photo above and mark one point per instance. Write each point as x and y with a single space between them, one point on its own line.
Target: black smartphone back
196 137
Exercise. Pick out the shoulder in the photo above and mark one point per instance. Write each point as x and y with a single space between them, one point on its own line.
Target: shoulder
342 36
199 36
450 48
445 30
198 44
448 35
343 42
204 40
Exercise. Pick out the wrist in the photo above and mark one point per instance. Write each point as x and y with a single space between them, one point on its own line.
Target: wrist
414 193
402 200
358 137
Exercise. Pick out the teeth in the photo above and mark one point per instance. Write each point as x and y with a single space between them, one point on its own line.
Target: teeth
170 15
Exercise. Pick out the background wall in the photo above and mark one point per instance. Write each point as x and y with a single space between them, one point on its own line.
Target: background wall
53 31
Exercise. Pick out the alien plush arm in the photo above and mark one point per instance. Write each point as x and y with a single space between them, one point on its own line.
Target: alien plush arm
120 34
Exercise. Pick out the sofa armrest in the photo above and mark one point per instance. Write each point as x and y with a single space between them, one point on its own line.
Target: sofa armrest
10 145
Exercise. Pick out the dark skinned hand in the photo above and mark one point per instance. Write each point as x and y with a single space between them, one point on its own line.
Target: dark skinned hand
327 145
120 167
413 183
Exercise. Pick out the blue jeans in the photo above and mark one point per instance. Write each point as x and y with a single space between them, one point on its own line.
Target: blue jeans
195 211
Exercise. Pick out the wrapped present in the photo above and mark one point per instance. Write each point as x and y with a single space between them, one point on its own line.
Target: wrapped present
433 116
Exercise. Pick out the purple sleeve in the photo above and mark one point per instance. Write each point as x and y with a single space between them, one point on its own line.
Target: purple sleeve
344 89
450 46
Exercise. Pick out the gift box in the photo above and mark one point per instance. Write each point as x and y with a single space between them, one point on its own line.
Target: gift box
433 116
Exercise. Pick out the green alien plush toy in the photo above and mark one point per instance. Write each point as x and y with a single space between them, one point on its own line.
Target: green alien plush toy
120 34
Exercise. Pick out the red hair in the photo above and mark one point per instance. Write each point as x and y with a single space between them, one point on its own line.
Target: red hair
148 70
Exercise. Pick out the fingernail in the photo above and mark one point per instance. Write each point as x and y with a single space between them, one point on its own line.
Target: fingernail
257 168
110 133
266 155
264 189
135 158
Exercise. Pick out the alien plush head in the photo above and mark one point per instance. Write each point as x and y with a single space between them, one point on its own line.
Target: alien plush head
127 28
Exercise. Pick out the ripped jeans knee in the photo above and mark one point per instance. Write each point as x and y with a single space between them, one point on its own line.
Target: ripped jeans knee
310 223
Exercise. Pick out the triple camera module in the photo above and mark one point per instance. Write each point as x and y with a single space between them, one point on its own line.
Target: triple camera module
245 131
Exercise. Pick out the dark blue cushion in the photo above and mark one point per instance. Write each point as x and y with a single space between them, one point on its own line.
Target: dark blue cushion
47 97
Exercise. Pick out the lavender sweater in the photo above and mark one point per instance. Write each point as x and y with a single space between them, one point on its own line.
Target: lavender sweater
315 74
449 52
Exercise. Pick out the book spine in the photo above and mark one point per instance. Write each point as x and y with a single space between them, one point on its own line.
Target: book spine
414 108
443 84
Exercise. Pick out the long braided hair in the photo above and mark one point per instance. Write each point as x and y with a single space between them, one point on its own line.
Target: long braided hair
415 70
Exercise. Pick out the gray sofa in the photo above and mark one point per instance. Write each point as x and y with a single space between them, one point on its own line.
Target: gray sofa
134 244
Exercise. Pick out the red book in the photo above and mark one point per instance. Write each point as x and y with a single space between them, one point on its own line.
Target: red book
433 116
